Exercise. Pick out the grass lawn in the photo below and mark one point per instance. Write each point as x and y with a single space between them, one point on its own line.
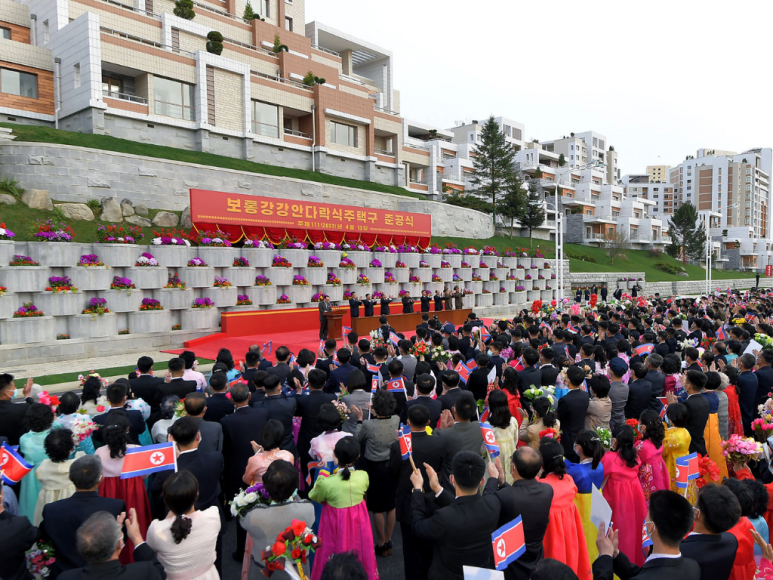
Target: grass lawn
39 134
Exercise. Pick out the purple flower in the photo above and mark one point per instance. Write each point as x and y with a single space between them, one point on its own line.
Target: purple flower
97 302
203 303
374 263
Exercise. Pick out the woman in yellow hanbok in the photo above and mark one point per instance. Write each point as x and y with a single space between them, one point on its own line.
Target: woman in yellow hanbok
711 433
587 473
677 444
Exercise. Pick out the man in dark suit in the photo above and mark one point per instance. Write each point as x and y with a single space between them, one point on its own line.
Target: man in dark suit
526 497
17 535
425 385
100 542
547 369
385 302
571 411
324 306
530 375
354 306
618 293
211 431
603 293
465 343
177 385
396 371
282 368
341 374
459 433
61 519
417 553
368 305
12 414
710 544
116 396
146 385
218 405
326 357
477 384
452 390
657 379
438 298
280 408
669 519
698 408
239 430
764 379
461 528
426 299
307 407
639 392
407 305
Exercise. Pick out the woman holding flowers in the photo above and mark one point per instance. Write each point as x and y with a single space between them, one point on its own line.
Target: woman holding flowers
39 421
653 473
53 473
505 427
544 419
80 424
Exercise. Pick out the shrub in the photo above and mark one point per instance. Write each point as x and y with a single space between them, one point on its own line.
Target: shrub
214 42
11 187
95 206
670 268
184 9
655 253
581 257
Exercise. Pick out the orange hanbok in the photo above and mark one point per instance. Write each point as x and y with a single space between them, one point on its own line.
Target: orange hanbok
565 538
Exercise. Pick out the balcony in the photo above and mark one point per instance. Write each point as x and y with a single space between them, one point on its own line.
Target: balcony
384 152
281 80
265 130
387 111
125 97
299 134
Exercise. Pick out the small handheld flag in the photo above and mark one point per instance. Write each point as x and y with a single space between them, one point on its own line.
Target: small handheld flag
375 369
749 317
310 466
13 467
346 329
149 459
544 324
484 415
646 541
489 440
519 366
484 333
644 349
375 384
508 543
687 469
463 370
396 385
393 338
721 334
406 443
664 402
572 328
472 364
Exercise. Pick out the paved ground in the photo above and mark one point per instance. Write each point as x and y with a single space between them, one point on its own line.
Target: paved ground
81 365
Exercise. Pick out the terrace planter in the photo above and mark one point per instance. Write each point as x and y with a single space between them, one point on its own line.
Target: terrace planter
316 276
388 259
539 284
546 294
173 299
9 302
362 289
501 299
476 287
468 301
200 318
517 297
89 326
122 300
91 277
501 273
375 275
490 261
63 304
118 255
465 274
26 330
240 276
532 295
222 297
631 285
433 286
484 300
360 259
432 259
401 274
216 257
410 259
7 251
25 278
198 277
262 295
249 308
258 257
288 306
57 254
454 259
492 287
298 258
413 289
150 321
172 255
279 276
509 285
329 257
388 289
300 293
509 262
347 275
527 284
446 274
147 277
336 293
525 262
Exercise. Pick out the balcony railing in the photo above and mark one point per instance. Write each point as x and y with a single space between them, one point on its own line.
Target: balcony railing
327 50
249 46
281 80
220 12
385 152
265 129
144 41
418 181
295 133
125 97
351 79
133 9
387 111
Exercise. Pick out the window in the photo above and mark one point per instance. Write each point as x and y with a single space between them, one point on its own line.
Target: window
5 33
288 23
45 32
173 99
76 75
343 134
265 8
112 87
265 119
14 82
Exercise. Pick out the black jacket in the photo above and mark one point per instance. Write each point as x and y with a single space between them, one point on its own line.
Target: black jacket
211 436
748 387
385 302
307 408
61 519
459 437
178 387
400 398
12 420
449 399
281 370
715 554
144 567
658 382
434 406
135 419
17 535
477 384
438 302
218 406
527 377
239 429
207 467
571 411
145 387
548 374
282 409
407 305
639 395
368 307
425 301
764 386
354 308
658 569
698 408
425 449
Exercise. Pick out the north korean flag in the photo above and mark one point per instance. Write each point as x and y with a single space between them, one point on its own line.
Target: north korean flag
375 383
669 301
484 333
346 329
721 334
464 371
519 366
13 467
396 385
471 364
237 381
508 543
750 317
311 466
544 324
687 469
406 443
571 327
646 541
149 459
489 440
664 408
484 415
644 349
393 338
375 369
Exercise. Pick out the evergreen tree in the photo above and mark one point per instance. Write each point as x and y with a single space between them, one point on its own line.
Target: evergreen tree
561 160
249 13
696 248
534 211
687 240
214 42
513 202
184 9
492 164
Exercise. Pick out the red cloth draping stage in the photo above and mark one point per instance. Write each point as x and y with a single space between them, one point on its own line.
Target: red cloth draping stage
274 219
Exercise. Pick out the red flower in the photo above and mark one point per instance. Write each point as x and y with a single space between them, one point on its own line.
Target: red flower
296 554
303 557
278 549
298 527
307 538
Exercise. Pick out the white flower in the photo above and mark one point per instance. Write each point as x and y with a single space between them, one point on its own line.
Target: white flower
174 240
234 511
251 497
217 241
2 231
239 500
120 239
156 241
187 243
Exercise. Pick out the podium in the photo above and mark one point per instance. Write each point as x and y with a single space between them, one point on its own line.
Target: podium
335 323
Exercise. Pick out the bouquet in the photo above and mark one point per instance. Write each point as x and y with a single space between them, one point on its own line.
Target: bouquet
708 342
151 304
389 278
40 559
347 263
423 264
241 262
536 306
196 263
116 235
60 284
605 435
175 282
48 399
400 264
403 293
203 303
314 262
333 280
326 246
444 264
48 231
764 340
283 299
213 238
318 297
5 233
466 265
342 408
414 279
244 300
420 348
94 375
740 449
221 282
374 263
89 260
300 281
96 307
634 424
261 280
436 278
146 259
28 310
440 355
82 428
348 294
709 471
292 547
173 237
362 279
281 262
248 498
22 261
258 244
533 393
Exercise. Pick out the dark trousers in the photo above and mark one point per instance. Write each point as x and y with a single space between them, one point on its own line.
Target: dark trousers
323 328
417 554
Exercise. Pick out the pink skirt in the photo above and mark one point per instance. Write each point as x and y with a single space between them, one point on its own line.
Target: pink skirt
344 530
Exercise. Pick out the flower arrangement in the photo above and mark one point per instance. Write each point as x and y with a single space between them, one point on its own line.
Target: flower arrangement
467 291
292 244
3 290
444 264
124 331
489 251
291 548
177 326
314 262
451 248
281 262
764 340
374 263
509 253
318 297
248 498
623 280
500 265
466 265
533 393
605 435
519 267
22 261
62 337
433 249
300 281
486 291
262 280
540 277
552 276
400 264
493 277
502 289
361 279
258 244
120 283
221 282
708 470
40 559
547 265
88 260
5 233
241 262
420 348
389 278
414 279
740 449
173 237
28 310
378 295
708 342
385 249
96 307
348 294
403 293
196 263
95 375
48 231
213 238
174 282
151 304
283 299
519 289
333 280
510 277
534 266
243 300
347 264
326 246
476 277
423 264
536 306
407 249
117 235
528 277
203 303
436 278
470 251
483 265
456 278
440 355
146 259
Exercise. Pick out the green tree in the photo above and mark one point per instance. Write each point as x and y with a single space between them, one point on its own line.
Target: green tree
249 13
310 80
534 211
278 46
513 202
615 244
184 9
696 248
561 160
687 239
492 164
214 42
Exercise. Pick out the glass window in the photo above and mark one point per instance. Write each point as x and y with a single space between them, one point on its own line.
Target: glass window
19 83
5 33
110 86
265 8
288 23
343 134
173 99
265 119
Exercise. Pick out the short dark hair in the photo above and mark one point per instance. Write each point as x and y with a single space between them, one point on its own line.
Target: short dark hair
280 480
6 382
425 383
744 494
184 430
270 382
451 379
252 358
465 406
418 415
218 382
747 360
85 471
531 356
58 445
575 375
240 393
697 378
189 357
677 414
195 403
282 353
176 364
344 566
39 417
116 393
395 367
68 403
640 370
672 515
328 418
468 469
550 569
144 364
272 435
317 379
719 507
383 403
527 461
344 355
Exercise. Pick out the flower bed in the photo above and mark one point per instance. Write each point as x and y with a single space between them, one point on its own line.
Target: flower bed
149 321
243 300
22 261
57 255
50 231
90 261
96 307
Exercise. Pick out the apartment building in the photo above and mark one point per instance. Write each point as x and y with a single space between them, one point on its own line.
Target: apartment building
132 69
661 194
658 173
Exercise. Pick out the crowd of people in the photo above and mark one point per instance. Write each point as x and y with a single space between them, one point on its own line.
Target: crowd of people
607 397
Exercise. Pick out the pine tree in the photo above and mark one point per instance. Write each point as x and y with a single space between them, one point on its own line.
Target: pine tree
686 239
534 212
492 164
249 13
561 160
513 202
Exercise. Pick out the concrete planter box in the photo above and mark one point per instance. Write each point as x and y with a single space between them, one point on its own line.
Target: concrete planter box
252 308
483 300
454 259
631 285
63 304
240 276
9 303
91 277
525 262
476 287
414 289
492 287
509 262
262 295
222 297
172 256
546 294
346 275
539 284
401 274
490 261
288 306
465 273
147 277
388 289
279 276
316 276
532 295
509 285
118 255
446 274
300 293
501 273
330 258
258 257
200 318
26 330
527 284
173 299
362 289
360 259
375 275
7 251
468 301
198 277
518 297
215 256
150 321
389 259
298 258
57 254
336 293
432 259
431 287
501 299
88 326
411 259
25 278
121 300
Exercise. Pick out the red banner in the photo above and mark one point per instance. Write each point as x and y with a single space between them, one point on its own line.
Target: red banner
768 271
275 218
